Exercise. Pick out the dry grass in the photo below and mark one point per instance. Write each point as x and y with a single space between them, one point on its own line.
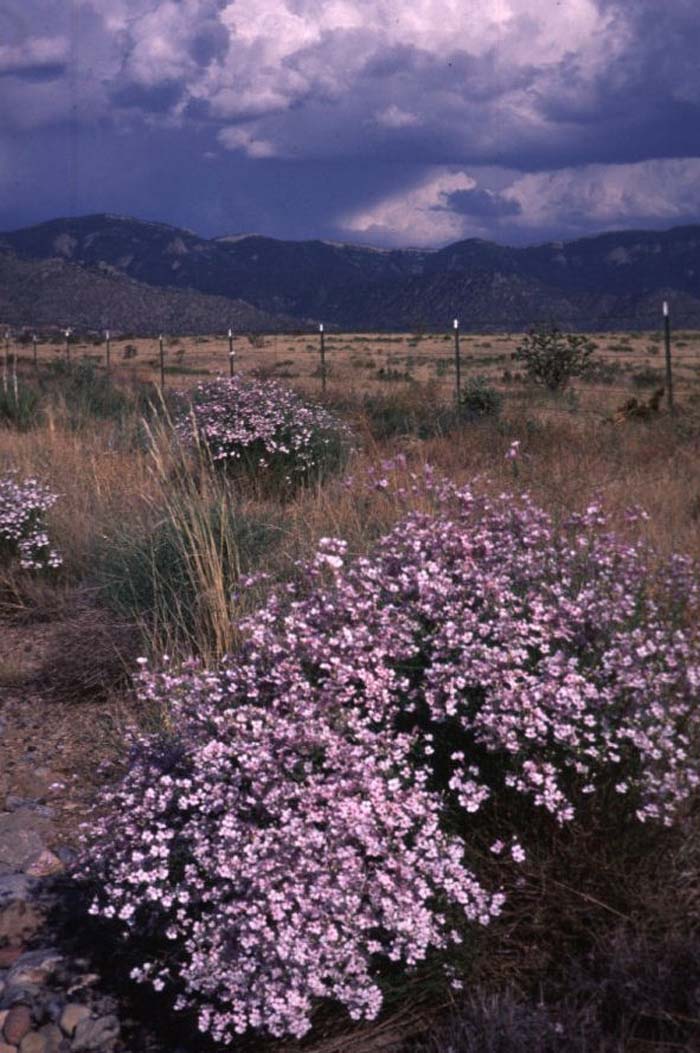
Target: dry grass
116 494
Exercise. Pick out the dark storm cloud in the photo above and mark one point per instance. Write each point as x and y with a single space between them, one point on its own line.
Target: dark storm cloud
149 98
425 101
482 203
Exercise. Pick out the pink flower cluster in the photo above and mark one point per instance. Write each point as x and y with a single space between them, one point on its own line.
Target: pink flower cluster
262 425
23 505
312 809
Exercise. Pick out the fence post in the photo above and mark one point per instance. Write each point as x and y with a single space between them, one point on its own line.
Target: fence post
6 360
108 342
162 363
231 353
458 362
669 370
67 348
36 360
323 357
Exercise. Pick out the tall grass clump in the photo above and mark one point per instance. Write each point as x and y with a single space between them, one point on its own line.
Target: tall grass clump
19 406
318 810
262 430
175 571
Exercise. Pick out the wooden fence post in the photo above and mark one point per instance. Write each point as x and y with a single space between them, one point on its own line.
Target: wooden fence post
669 370
458 363
162 363
323 357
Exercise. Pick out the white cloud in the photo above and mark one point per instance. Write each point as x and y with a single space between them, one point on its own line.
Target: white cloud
244 139
571 200
394 117
608 195
417 216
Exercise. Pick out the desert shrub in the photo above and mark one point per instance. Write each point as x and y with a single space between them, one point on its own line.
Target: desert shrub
479 398
603 372
312 811
23 507
647 377
86 391
508 1023
552 358
263 429
633 989
130 351
420 412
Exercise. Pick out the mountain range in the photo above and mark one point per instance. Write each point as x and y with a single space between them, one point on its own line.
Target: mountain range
112 270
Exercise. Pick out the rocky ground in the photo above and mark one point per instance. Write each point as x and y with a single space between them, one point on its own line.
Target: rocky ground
54 998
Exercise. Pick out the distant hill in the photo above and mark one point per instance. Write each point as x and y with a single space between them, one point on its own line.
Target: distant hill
50 292
613 280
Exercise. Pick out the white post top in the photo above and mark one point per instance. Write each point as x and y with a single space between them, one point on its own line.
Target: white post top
456 323
320 327
230 333
106 334
665 308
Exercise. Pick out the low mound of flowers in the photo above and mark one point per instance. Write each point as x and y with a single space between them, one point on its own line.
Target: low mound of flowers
312 811
23 506
260 426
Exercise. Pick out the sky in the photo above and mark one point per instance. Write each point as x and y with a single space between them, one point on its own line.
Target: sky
385 122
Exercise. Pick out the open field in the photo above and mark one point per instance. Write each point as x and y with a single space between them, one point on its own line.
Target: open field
629 364
154 544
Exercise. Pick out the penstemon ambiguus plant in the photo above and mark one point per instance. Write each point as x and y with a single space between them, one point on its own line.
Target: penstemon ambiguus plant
263 428
23 506
312 809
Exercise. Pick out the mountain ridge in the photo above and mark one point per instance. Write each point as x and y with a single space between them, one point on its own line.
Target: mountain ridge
583 282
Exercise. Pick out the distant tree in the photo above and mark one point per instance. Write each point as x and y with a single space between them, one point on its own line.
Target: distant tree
552 358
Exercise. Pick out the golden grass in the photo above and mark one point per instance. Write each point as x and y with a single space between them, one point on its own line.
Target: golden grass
111 490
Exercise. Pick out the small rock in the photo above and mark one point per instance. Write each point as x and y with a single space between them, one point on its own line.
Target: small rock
85 980
33 1043
72 1015
95 1034
22 835
34 967
45 864
18 922
13 887
25 995
18 1023
53 1038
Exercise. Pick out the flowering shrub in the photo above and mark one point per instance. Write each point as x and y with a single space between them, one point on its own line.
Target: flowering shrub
259 425
22 530
314 808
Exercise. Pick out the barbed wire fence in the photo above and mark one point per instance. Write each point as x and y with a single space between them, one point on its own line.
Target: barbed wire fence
225 353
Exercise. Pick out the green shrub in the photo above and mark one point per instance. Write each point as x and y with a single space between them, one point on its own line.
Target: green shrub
552 358
20 407
648 377
479 398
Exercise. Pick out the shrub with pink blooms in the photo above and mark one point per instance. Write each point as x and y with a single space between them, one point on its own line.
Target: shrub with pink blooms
262 428
23 537
311 813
